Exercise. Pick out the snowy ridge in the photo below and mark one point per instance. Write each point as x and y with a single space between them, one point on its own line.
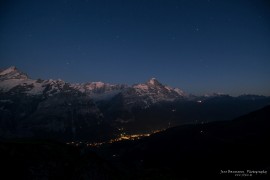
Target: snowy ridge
152 91
153 86
153 81
12 73
8 70
11 79
98 88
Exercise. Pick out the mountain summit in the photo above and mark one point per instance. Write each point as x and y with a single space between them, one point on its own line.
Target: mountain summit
153 81
12 73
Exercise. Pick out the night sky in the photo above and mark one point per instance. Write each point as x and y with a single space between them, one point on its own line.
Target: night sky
202 46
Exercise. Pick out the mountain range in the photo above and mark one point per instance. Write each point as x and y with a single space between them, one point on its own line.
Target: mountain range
97 111
13 81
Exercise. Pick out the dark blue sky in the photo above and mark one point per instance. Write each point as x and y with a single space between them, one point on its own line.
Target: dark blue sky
199 46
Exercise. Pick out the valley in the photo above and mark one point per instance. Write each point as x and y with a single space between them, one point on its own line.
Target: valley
97 112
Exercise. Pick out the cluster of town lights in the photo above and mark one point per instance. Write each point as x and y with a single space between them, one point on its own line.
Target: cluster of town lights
122 137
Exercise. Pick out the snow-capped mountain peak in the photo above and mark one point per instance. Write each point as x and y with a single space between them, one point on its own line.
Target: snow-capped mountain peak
13 80
153 91
12 73
153 82
8 70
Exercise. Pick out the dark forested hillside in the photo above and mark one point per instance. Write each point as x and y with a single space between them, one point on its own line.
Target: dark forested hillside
200 151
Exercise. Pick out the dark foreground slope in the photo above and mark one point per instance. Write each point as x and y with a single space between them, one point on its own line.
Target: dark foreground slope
46 160
200 151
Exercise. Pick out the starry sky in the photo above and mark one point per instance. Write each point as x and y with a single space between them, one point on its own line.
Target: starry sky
200 46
